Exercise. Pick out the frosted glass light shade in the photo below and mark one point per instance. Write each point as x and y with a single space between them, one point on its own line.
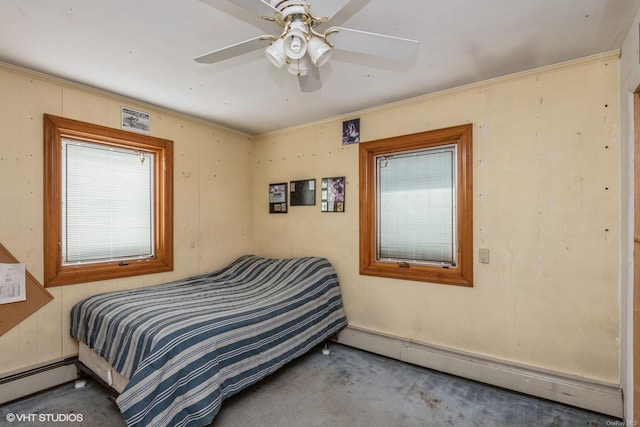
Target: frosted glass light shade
295 44
319 51
275 53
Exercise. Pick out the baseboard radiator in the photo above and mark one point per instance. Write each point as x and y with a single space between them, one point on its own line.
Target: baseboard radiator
597 397
23 383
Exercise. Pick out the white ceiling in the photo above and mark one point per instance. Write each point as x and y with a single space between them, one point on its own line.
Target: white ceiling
144 49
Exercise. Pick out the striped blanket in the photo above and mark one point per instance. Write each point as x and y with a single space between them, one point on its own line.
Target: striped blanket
185 346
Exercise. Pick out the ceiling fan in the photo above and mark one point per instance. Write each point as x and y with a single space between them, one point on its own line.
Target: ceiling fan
302 45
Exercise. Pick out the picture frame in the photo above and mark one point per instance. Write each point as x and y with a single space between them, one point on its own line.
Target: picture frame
332 194
278 198
351 132
135 121
302 193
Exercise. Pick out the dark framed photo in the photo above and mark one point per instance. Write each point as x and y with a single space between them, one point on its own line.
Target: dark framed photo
332 194
351 132
302 193
278 198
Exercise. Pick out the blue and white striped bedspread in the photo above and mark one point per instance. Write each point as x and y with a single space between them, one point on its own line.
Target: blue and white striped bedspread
185 346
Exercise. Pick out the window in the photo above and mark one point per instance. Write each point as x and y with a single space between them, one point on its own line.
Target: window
416 207
108 203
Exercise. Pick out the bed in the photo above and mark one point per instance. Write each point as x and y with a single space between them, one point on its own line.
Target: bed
179 349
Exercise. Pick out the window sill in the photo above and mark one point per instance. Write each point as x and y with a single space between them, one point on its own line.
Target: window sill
68 275
449 276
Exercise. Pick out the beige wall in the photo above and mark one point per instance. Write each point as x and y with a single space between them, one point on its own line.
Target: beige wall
212 213
546 204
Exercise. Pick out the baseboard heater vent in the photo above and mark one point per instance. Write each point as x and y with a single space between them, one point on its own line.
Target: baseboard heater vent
38 378
593 396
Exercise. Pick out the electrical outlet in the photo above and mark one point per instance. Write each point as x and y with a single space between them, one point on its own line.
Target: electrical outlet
483 255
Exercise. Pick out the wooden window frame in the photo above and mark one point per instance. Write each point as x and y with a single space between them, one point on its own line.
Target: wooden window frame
462 273
55 273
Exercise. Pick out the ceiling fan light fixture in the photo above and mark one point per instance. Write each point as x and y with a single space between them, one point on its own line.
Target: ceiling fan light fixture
298 67
319 51
275 53
295 43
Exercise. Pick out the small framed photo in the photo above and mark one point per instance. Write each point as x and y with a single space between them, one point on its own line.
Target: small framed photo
136 121
351 132
332 194
302 193
278 198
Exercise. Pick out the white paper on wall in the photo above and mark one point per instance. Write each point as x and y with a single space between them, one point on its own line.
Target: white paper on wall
12 283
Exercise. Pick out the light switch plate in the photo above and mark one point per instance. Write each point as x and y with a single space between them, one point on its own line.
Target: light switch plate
483 255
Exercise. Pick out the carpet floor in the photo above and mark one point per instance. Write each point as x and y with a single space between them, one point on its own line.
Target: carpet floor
348 388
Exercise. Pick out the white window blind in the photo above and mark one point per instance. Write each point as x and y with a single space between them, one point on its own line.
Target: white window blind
416 206
107 203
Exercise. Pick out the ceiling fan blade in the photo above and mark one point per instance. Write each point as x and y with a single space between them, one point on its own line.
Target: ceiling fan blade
328 8
311 81
259 7
373 44
233 50
339 12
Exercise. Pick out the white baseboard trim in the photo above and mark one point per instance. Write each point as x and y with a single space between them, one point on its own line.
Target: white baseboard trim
35 379
593 396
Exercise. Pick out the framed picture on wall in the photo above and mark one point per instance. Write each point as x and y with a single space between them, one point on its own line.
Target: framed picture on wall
302 193
332 194
351 132
136 121
278 198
